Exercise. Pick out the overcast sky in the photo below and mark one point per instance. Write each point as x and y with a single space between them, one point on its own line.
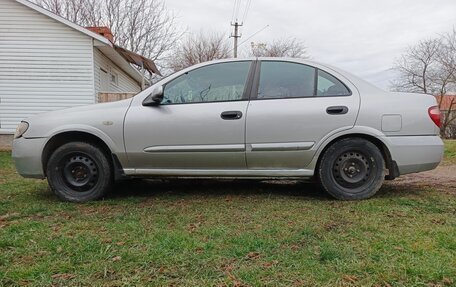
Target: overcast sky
360 36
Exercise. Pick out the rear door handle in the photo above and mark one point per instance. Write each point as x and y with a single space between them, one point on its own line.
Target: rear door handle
231 115
337 110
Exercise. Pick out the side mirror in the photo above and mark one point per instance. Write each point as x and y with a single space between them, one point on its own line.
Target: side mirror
155 98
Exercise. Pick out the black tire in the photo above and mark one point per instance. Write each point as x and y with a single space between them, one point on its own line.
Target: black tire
79 172
351 169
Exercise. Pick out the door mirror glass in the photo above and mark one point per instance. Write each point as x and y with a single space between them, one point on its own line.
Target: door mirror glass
155 98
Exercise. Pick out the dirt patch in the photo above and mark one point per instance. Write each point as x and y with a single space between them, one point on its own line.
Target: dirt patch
442 178
6 142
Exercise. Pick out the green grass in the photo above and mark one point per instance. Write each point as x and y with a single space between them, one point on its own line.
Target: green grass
450 151
232 233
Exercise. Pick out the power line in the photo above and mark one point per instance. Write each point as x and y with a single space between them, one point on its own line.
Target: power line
251 36
235 18
238 8
246 12
234 10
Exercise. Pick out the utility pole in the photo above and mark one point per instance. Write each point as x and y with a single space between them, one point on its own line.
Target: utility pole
236 36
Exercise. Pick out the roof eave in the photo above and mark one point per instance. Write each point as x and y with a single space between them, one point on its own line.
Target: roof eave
123 64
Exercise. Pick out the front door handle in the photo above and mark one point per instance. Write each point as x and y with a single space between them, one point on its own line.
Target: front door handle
231 115
337 110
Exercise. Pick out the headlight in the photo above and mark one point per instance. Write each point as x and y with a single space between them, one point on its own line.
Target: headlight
21 129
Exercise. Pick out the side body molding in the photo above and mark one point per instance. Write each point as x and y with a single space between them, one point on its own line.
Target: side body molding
197 148
281 146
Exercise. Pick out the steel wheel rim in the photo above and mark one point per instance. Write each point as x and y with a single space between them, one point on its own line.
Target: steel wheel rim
79 172
353 170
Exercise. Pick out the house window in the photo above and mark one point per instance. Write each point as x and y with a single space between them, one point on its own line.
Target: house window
114 76
104 80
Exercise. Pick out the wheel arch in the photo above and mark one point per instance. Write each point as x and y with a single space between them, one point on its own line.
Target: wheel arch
389 162
65 137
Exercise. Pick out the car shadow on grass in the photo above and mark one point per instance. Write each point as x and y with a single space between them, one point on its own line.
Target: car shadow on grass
216 188
185 188
222 188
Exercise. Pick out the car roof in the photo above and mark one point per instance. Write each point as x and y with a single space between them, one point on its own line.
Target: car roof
355 80
339 73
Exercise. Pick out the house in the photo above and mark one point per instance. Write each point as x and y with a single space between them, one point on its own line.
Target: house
447 105
49 63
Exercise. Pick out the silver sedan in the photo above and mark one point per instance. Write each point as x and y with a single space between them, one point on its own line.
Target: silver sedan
240 118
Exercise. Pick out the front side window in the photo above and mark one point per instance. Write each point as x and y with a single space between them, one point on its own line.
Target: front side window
280 80
214 83
329 86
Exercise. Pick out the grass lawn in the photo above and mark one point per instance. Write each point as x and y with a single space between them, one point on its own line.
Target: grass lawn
232 233
450 152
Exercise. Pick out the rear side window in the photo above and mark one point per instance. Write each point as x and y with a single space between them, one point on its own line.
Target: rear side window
329 86
279 80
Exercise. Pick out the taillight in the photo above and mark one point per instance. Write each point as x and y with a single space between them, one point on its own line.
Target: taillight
435 115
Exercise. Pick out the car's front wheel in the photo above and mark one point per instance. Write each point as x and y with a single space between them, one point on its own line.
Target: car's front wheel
79 172
352 169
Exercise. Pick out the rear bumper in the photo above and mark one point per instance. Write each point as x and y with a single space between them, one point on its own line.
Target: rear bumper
27 157
416 153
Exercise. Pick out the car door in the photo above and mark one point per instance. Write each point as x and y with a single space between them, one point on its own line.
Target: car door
293 108
200 123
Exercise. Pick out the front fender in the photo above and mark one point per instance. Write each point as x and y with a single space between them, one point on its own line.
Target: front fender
113 146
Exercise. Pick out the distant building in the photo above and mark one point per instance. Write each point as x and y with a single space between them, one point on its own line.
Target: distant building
447 105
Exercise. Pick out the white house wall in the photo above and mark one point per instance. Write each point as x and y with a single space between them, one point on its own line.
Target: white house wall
44 65
125 83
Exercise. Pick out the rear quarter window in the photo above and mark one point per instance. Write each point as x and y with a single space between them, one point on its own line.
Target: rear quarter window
330 86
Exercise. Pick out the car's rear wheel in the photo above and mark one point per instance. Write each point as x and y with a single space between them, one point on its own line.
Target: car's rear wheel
79 172
352 169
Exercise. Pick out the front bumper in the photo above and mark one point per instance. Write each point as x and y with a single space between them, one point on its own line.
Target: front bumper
416 153
27 156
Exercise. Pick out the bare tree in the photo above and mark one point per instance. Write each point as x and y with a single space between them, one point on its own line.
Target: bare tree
142 26
418 68
430 67
198 48
82 12
447 59
280 48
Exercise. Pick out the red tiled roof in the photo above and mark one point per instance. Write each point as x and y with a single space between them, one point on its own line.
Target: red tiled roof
445 102
103 31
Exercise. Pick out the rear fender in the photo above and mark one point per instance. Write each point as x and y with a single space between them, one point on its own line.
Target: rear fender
357 131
